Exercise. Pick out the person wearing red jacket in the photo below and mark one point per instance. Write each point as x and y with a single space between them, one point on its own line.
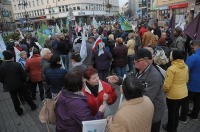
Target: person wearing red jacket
142 31
34 69
97 91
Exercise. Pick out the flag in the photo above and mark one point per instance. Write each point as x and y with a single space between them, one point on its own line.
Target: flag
171 26
44 27
67 24
125 25
57 29
31 53
2 44
41 38
101 47
94 23
97 42
181 22
83 51
17 54
193 29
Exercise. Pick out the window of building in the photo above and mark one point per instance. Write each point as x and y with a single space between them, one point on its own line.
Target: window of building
15 7
66 8
43 12
63 8
78 8
74 8
59 9
86 7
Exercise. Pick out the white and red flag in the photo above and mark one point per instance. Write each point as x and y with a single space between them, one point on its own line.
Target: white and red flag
97 42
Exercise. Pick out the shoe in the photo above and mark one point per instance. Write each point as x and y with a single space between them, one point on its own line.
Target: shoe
164 126
20 112
183 120
192 117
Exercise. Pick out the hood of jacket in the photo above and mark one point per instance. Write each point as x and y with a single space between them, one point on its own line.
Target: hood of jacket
179 63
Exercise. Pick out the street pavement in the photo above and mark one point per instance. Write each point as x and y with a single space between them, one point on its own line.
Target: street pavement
29 122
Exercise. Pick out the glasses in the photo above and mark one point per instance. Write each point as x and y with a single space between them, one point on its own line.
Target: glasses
136 61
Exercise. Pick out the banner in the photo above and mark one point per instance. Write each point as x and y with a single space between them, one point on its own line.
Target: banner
94 125
2 44
17 54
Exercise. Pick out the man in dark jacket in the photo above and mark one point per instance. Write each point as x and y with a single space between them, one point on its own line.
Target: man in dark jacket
13 77
156 30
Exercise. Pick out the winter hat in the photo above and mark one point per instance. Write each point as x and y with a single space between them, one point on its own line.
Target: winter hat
177 54
7 55
143 53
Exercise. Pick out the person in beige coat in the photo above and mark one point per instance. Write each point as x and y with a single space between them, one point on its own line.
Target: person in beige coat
135 113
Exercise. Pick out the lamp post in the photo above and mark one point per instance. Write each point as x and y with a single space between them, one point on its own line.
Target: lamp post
50 10
24 4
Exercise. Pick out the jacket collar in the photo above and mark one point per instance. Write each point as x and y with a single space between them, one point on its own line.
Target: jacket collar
132 101
100 88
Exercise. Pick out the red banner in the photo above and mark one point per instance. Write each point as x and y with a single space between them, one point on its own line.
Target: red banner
183 5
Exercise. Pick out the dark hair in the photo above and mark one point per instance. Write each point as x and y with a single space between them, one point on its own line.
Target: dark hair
73 82
132 88
7 54
54 59
89 72
196 42
76 57
35 51
149 28
177 54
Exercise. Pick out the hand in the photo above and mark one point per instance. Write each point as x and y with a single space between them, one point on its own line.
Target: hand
102 108
113 79
105 97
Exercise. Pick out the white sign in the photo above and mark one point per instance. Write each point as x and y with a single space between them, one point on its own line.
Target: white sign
94 125
70 18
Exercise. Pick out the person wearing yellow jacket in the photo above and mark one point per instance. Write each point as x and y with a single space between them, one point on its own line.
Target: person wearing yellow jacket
176 89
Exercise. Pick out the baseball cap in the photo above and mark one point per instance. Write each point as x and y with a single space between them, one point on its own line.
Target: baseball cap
142 53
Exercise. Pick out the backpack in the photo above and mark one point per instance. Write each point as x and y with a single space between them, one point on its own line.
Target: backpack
160 58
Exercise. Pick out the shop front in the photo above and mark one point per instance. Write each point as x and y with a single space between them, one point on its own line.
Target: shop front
164 13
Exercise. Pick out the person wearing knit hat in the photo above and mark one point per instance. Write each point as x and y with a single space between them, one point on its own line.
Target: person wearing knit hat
13 78
175 87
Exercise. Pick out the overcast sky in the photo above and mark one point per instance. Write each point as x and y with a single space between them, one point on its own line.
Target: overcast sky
122 2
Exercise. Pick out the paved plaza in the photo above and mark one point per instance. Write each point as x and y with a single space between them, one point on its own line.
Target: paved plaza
29 122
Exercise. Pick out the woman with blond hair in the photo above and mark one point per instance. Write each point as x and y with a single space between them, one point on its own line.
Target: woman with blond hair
154 41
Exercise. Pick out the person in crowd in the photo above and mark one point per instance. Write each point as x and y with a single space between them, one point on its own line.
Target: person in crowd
147 37
153 86
13 77
193 63
156 30
34 68
191 52
88 60
77 45
119 53
175 87
55 42
49 44
102 62
142 30
17 45
131 51
77 65
179 41
45 63
55 75
166 35
24 46
154 41
137 40
71 107
136 111
22 59
111 42
94 33
63 49
97 91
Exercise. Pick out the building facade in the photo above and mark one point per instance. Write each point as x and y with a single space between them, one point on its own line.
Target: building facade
51 11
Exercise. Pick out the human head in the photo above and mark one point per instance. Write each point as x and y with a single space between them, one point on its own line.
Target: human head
91 76
75 57
111 37
73 82
132 88
55 60
94 30
46 53
91 39
163 35
35 51
142 58
154 25
23 54
196 44
177 54
119 41
8 55
149 28
177 31
130 35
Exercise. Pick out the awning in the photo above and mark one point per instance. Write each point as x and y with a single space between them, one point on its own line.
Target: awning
183 5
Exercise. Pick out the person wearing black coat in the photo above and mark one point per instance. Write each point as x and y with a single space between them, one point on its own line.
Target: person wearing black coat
13 76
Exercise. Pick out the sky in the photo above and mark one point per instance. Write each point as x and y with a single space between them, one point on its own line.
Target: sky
122 2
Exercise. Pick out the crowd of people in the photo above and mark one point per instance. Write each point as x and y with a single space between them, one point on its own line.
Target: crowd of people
159 70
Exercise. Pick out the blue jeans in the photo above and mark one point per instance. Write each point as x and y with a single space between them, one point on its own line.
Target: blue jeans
65 60
130 62
120 71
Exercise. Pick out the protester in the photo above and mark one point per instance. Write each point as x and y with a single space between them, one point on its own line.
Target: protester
152 79
193 63
34 68
97 91
77 65
22 59
72 108
13 77
175 87
147 37
136 112
55 75
119 53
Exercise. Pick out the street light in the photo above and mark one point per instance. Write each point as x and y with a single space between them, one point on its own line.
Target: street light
24 4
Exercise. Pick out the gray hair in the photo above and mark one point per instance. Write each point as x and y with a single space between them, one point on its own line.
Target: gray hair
44 52
197 42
